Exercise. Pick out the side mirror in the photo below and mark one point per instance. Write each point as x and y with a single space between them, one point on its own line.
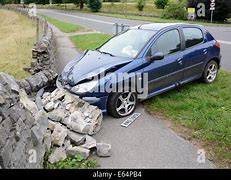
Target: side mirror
157 56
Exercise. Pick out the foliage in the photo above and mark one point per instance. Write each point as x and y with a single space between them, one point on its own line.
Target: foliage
94 5
80 3
76 162
140 5
175 9
222 9
160 4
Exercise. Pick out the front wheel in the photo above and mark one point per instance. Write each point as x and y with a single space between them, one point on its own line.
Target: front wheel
121 104
210 72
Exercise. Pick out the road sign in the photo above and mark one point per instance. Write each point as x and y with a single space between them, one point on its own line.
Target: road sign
212 5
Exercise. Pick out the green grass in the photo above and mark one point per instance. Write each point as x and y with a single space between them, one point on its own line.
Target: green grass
64 26
205 109
89 41
17 38
73 163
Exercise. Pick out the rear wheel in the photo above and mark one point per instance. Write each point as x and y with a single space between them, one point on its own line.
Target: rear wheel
121 104
210 72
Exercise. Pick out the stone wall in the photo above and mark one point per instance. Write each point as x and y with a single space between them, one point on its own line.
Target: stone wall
23 129
43 53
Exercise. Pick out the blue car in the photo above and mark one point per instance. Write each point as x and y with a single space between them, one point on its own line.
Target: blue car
156 57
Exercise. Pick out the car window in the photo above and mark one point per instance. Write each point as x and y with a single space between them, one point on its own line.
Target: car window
128 44
167 43
193 36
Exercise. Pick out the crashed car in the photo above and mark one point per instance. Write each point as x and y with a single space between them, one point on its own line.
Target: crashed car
161 56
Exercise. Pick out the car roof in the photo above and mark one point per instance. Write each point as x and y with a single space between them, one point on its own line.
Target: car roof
159 26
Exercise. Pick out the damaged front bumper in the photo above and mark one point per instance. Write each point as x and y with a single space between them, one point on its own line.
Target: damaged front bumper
100 102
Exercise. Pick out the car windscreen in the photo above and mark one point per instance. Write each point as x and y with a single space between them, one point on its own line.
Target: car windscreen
127 44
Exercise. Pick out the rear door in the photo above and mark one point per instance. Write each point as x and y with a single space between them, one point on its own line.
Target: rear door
163 74
195 53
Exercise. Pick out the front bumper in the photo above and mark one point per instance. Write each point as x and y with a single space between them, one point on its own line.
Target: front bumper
100 102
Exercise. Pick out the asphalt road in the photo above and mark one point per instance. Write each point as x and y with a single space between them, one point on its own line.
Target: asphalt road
146 143
105 25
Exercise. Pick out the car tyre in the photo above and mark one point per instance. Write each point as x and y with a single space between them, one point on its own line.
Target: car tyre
121 104
210 72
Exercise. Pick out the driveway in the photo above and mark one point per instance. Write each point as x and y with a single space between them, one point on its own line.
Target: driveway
146 143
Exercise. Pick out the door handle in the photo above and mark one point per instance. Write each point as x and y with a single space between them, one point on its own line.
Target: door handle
205 51
179 60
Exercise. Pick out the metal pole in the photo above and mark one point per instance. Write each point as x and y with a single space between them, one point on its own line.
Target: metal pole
212 16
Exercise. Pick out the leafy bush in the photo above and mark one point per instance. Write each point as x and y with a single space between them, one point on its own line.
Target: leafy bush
140 5
94 5
160 4
76 162
175 9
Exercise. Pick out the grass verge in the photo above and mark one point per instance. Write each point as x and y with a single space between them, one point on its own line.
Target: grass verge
64 26
159 20
89 41
129 8
205 110
17 37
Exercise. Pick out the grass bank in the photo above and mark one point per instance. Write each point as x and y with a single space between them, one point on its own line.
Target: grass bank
64 26
205 110
89 41
17 37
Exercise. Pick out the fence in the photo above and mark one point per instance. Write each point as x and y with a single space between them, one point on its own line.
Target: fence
41 24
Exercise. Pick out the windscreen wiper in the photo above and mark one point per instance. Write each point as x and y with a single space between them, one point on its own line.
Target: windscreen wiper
105 53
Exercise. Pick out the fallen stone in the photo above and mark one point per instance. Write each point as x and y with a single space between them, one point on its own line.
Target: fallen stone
89 143
103 149
76 150
56 115
57 155
49 106
51 125
58 135
57 94
76 138
76 123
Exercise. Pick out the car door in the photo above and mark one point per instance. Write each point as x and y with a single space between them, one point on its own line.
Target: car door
195 53
164 74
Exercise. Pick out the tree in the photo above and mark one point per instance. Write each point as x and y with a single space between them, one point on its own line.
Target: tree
94 5
160 4
140 5
80 3
221 13
175 10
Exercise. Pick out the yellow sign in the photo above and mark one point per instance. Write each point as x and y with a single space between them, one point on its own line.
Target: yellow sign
191 10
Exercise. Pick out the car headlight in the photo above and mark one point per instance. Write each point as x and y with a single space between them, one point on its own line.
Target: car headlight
84 87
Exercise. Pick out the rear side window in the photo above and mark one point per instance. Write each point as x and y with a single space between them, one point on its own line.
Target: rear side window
167 43
193 36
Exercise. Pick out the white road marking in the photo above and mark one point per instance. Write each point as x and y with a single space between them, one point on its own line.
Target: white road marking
224 42
88 19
